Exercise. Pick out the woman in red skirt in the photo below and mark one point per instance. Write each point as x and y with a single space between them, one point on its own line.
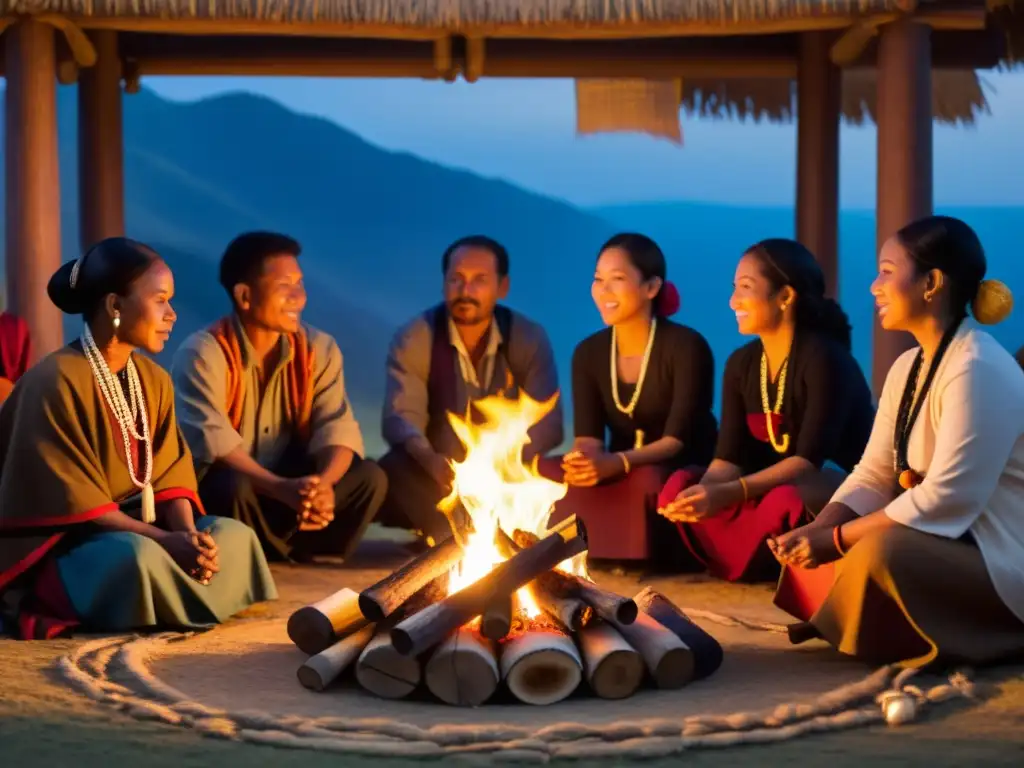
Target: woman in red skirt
792 400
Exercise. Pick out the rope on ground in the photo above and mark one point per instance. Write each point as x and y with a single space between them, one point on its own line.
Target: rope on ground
113 671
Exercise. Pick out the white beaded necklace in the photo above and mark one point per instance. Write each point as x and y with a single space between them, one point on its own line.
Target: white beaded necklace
631 405
128 413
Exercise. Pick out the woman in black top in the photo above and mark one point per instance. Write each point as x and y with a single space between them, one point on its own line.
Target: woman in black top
792 401
643 392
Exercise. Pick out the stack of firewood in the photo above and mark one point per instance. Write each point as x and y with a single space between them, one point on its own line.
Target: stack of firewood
406 631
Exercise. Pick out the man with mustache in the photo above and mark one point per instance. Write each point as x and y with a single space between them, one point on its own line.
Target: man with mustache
464 349
262 404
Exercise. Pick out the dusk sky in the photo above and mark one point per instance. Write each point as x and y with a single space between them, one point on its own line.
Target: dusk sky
524 131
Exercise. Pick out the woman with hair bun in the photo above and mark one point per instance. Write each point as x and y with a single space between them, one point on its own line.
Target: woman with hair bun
100 524
793 401
927 533
643 392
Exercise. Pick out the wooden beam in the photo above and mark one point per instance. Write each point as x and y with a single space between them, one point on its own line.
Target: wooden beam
32 180
904 116
101 144
819 103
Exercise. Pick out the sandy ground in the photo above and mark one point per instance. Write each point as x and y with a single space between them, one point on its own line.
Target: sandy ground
43 722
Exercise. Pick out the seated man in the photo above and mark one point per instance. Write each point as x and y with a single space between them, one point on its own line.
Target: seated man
462 350
261 401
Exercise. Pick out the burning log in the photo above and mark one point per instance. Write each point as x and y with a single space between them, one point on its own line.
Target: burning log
606 605
463 671
541 664
555 597
667 658
381 600
497 619
324 668
316 627
707 652
614 669
431 625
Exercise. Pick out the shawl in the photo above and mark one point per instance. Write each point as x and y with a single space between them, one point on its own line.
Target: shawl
15 351
62 459
299 375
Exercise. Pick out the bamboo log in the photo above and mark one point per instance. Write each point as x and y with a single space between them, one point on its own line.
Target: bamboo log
384 671
613 667
380 600
463 671
496 621
324 668
316 627
380 669
606 605
707 651
541 664
667 658
431 625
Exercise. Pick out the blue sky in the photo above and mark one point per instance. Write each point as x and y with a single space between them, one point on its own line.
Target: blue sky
524 131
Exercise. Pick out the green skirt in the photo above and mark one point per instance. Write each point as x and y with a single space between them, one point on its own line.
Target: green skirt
120 581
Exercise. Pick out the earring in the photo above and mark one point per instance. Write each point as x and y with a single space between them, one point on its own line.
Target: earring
117 321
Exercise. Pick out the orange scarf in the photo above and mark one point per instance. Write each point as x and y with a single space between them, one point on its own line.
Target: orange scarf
298 375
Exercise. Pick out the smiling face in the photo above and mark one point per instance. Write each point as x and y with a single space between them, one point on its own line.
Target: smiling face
276 298
147 317
759 307
900 288
619 289
472 285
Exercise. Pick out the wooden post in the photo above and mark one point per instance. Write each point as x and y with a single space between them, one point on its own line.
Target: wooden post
32 180
819 96
101 144
904 115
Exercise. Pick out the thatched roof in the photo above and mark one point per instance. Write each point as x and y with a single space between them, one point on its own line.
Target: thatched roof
614 106
489 16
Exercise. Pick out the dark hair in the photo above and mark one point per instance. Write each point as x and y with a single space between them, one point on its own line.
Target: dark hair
644 254
787 262
477 241
109 266
950 246
243 259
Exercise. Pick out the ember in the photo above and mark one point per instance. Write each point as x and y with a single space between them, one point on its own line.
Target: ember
507 599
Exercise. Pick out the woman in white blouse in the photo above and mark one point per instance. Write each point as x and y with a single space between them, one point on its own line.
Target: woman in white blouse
927 532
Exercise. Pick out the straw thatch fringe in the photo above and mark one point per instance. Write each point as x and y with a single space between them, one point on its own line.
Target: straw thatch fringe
459 13
606 106
92 667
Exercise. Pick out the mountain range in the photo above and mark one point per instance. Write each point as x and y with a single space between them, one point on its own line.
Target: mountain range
373 224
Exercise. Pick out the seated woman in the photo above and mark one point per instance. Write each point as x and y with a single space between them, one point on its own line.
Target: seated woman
929 526
792 400
100 525
644 384
15 352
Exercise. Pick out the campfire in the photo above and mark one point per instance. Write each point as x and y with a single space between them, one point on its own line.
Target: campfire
507 599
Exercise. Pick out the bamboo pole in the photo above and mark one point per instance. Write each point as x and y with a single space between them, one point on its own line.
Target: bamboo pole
667 658
383 671
463 671
324 668
614 669
707 651
541 664
318 626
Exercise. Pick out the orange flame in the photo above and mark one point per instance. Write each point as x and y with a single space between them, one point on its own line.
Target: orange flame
498 491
